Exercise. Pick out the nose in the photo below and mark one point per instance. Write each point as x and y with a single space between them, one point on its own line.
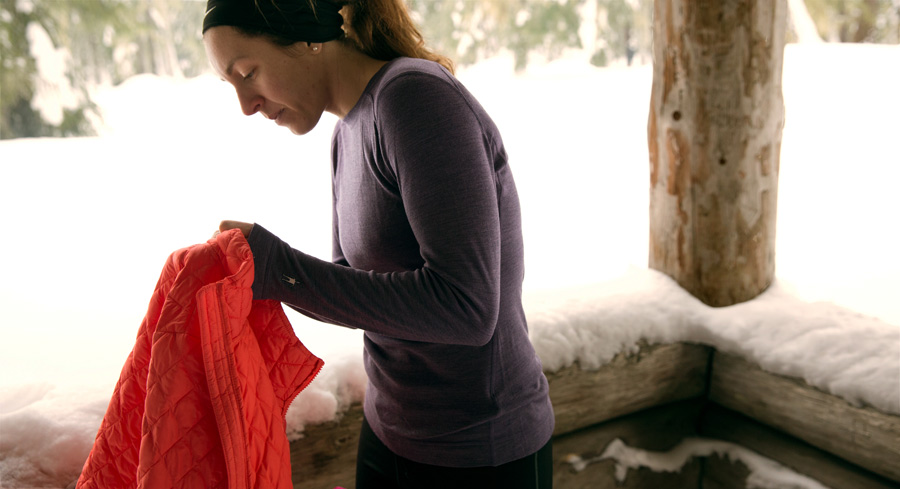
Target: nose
250 103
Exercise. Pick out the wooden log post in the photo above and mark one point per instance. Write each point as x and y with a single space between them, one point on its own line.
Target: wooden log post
714 134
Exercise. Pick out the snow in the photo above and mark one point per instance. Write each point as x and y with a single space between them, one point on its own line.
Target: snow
92 220
801 23
783 335
764 473
54 92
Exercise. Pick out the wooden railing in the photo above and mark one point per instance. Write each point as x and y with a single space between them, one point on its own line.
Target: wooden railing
654 399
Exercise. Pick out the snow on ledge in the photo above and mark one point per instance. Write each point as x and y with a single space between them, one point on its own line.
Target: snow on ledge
836 350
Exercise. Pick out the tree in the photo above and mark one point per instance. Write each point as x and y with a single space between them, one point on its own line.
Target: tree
108 41
470 30
871 21
17 66
714 134
105 42
615 25
802 27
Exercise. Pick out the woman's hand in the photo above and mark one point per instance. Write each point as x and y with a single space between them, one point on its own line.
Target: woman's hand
245 227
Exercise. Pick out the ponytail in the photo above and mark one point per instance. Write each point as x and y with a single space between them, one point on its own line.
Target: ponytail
381 29
384 30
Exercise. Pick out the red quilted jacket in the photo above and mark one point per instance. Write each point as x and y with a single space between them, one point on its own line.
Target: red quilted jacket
201 400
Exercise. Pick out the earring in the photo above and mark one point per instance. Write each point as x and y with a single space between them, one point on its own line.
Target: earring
315 48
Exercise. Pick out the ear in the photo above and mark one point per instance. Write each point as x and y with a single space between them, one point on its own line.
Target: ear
314 47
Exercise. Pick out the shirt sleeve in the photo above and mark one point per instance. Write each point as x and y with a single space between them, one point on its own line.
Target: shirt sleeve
437 150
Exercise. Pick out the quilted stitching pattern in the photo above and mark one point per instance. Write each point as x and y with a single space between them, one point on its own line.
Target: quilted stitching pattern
202 397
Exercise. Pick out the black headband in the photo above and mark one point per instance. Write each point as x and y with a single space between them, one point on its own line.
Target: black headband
291 19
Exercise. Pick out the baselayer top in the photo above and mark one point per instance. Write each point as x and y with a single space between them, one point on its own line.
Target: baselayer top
428 260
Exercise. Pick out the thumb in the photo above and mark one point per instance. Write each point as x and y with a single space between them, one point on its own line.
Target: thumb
245 227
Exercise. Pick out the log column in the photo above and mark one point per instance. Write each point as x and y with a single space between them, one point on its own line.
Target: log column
714 134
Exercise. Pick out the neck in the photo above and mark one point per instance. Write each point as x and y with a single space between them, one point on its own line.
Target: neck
351 74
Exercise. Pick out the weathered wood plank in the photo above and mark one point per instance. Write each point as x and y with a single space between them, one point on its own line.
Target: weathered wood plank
656 375
601 475
723 473
326 456
656 429
863 436
832 471
714 141
614 400
659 374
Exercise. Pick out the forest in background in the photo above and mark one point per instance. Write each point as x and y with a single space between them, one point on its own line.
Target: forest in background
62 50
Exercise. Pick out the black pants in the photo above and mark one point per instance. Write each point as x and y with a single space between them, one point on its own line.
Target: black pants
379 468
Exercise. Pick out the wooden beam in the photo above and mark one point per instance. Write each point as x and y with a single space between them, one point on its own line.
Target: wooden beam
656 429
832 471
649 400
861 435
714 141
653 376
326 455
722 473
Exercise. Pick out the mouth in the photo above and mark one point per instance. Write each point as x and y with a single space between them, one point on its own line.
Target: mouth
277 117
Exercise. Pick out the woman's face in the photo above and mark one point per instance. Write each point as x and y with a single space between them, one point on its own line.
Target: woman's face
285 85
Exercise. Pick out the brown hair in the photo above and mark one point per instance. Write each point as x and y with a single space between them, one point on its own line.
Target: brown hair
381 29
384 30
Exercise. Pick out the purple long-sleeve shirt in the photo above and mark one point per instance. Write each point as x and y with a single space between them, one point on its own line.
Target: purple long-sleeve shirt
428 260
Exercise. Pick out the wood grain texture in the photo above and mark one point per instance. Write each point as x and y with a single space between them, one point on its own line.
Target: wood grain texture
860 435
714 141
653 376
656 375
832 471
326 456
723 473
656 429
652 400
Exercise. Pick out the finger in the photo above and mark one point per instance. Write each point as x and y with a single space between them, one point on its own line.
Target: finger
226 225
245 227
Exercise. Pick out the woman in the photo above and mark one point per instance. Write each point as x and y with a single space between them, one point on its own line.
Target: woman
427 242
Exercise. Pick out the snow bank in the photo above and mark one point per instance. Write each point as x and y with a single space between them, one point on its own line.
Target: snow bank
96 217
47 433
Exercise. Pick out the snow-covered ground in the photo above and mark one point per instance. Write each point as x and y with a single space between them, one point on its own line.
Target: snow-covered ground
90 221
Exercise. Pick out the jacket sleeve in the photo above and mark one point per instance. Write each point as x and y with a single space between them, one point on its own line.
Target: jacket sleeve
440 159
